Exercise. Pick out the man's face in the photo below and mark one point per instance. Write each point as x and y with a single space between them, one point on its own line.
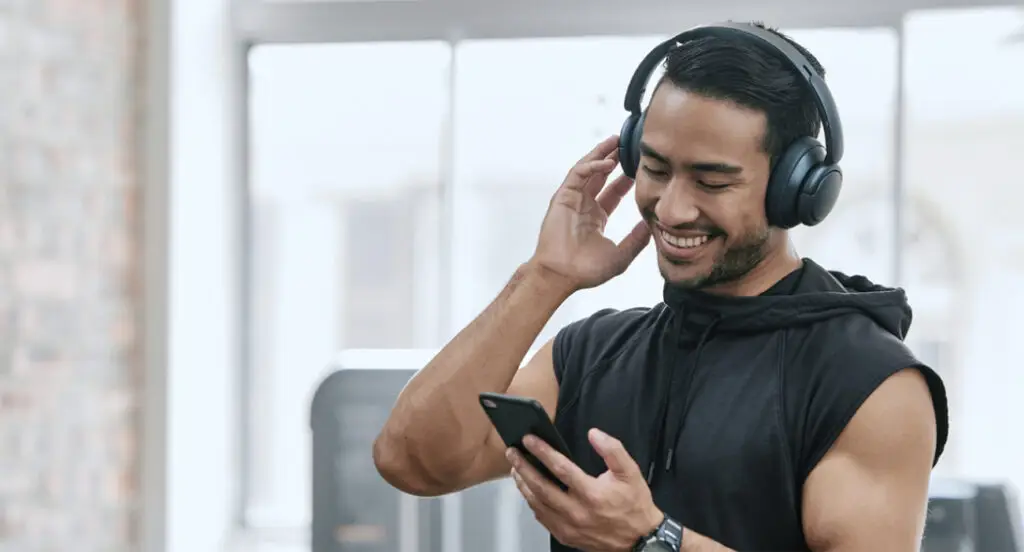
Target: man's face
701 187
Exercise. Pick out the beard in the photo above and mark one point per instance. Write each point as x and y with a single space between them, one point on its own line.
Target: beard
735 262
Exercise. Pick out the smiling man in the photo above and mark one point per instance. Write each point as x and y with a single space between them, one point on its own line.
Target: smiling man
767 404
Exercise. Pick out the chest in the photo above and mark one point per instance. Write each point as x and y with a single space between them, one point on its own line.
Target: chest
710 425
722 404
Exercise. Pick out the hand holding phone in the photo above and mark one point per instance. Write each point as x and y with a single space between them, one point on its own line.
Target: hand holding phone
517 417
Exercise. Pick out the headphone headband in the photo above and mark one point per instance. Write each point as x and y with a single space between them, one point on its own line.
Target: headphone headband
782 50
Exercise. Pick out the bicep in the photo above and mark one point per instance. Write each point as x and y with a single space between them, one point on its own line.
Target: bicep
535 380
870 491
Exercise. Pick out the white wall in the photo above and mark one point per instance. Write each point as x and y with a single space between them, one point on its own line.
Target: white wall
191 168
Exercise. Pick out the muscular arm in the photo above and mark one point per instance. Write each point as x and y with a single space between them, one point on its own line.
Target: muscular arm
437 439
870 491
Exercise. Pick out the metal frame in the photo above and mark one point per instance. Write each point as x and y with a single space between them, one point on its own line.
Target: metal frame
154 135
239 113
898 163
288 21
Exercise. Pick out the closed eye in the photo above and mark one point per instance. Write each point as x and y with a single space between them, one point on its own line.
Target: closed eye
655 173
712 187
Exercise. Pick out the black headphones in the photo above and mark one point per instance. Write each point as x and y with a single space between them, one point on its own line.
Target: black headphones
805 182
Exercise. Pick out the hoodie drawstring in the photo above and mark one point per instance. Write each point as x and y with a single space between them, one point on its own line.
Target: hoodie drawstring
667 420
680 421
668 379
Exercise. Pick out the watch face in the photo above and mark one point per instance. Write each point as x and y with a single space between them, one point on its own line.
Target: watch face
657 546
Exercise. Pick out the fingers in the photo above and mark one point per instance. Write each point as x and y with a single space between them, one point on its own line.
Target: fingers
597 181
635 241
583 174
540 488
601 150
540 509
564 469
630 247
615 456
594 167
613 193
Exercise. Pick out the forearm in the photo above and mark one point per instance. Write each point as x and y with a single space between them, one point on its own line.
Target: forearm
437 423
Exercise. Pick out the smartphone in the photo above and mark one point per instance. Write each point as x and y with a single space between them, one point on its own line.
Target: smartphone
517 417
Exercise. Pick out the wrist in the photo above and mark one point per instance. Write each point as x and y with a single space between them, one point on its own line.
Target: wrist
652 520
665 534
647 525
544 282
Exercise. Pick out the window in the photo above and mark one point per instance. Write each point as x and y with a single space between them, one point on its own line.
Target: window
526 109
963 250
857 236
345 204
345 236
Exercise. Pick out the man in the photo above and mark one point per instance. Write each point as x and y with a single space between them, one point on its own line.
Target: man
767 404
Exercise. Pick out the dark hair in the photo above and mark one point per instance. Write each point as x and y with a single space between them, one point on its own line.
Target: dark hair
744 72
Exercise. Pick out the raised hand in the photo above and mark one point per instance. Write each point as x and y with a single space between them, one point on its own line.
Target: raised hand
572 244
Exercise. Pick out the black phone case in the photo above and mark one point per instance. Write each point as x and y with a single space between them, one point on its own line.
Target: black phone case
517 417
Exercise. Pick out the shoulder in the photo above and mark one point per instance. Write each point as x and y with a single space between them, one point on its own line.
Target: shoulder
852 339
599 337
844 365
898 416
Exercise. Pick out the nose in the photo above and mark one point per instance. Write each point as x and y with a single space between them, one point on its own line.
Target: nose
677 204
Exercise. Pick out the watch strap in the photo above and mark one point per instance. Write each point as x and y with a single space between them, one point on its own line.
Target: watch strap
668 533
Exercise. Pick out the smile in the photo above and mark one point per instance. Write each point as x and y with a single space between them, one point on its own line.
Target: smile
685 243
683 246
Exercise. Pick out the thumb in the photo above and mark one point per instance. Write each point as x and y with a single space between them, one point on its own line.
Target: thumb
615 456
634 242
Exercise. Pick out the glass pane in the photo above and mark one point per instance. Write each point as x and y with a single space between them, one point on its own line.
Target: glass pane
527 109
857 236
345 241
964 134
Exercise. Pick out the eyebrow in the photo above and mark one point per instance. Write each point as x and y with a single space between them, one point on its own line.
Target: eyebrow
706 166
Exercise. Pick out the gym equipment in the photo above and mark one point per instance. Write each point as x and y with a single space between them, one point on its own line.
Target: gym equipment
975 517
353 508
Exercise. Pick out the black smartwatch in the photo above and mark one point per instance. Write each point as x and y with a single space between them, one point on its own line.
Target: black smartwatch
668 537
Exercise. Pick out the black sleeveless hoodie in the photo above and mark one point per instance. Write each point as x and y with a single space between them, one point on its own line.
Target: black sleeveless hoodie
728 403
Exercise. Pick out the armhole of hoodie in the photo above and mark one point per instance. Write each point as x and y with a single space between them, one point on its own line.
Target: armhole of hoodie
581 347
844 381
569 351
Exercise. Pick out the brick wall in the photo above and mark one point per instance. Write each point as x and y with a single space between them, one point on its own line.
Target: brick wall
69 266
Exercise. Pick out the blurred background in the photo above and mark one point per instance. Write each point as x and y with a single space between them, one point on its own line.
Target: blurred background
231 230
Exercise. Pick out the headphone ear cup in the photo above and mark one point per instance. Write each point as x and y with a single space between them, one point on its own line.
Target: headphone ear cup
786 183
819 194
629 144
627 160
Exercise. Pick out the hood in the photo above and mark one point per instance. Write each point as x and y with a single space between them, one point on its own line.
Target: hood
818 294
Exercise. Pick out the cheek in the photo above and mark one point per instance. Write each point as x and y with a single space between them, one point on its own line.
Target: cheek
738 215
644 193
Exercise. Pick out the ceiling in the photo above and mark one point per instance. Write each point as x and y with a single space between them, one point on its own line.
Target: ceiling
345 21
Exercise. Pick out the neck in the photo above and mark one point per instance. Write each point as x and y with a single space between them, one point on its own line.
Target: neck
781 260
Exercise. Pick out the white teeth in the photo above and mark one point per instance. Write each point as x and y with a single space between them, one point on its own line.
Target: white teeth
685 243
